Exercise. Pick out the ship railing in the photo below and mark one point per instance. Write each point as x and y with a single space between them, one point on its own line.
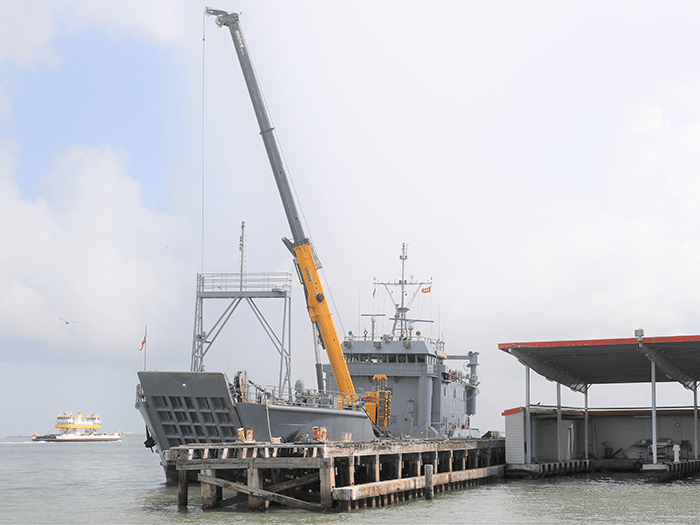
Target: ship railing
296 396
437 344
247 282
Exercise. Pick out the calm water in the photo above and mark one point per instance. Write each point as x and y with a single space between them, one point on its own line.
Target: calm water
123 483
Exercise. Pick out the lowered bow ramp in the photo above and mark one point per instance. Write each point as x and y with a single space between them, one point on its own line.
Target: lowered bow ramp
187 407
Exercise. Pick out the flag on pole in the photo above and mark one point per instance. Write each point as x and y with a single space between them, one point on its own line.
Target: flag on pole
143 343
426 290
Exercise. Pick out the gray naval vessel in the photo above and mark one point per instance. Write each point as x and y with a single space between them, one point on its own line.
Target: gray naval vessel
181 408
429 399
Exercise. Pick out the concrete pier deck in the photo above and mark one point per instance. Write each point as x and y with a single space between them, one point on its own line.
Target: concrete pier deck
335 475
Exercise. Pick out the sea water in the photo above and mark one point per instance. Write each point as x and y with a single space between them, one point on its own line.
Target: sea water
122 482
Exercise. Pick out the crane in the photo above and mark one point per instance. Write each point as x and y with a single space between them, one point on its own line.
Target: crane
300 245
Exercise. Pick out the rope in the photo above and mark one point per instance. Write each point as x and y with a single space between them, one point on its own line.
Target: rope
204 26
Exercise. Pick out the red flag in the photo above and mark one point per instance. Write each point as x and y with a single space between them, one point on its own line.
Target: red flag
426 290
143 343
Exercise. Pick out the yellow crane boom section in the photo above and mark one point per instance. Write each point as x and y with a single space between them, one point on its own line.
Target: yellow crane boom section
320 314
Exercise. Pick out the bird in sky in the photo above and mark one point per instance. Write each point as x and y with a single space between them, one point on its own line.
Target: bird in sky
67 322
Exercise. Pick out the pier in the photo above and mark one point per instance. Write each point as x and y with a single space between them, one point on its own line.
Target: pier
339 475
540 470
654 441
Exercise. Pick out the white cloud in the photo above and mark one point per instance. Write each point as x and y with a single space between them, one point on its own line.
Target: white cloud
87 250
163 21
27 29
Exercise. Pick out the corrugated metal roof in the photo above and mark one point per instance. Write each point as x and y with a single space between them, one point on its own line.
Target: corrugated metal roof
578 364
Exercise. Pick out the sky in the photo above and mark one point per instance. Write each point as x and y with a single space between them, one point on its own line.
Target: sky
539 159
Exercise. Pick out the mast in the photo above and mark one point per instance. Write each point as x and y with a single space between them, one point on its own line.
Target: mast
241 248
402 325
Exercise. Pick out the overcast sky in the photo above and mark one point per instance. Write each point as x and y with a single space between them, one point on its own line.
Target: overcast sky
539 159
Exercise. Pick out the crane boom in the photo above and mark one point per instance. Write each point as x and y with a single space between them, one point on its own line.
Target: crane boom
300 246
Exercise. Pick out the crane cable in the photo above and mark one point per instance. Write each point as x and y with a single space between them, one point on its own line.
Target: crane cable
204 26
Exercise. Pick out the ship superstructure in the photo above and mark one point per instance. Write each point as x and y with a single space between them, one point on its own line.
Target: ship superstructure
429 398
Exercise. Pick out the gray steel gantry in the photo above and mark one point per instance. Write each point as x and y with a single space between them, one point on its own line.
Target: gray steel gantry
239 287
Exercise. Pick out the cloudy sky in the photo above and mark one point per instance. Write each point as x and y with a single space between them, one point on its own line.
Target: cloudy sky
539 159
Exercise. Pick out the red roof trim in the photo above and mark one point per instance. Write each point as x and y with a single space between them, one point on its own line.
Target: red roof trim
512 411
601 342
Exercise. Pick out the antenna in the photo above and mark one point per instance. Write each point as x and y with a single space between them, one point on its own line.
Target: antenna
241 248
374 320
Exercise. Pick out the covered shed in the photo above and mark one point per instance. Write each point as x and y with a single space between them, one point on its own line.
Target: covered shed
583 363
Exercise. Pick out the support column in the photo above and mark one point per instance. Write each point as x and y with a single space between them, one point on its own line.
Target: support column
182 486
254 481
653 412
585 423
695 420
528 422
559 454
209 492
327 482
351 470
429 491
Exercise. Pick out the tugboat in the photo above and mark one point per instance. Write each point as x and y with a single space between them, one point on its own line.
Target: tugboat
77 428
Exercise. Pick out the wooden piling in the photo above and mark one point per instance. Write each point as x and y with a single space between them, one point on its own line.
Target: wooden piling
428 490
209 493
182 486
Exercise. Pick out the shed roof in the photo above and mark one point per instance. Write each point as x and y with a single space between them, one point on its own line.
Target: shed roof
578 364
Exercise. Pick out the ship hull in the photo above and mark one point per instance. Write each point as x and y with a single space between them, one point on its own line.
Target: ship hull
181 408
87 438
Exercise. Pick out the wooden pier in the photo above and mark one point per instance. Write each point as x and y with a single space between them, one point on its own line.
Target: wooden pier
539 470
335 475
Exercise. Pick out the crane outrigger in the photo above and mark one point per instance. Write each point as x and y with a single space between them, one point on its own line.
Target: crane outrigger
300 245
